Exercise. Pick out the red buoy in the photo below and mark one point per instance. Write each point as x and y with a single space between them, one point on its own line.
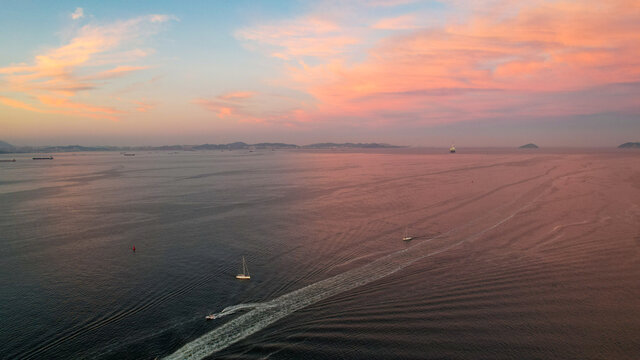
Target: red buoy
133 248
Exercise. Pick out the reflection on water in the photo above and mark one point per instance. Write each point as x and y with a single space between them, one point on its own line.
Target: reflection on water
516 255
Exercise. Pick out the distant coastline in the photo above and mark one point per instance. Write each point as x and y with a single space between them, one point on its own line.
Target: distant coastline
6 148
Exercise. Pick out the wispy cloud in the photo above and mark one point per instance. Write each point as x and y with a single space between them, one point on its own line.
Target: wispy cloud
78 14
303 37
452 72
118 71
59 73
237 95
228 104
143 106
403 22
18 104
389 3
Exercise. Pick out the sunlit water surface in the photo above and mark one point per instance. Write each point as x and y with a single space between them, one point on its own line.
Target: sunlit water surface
516 254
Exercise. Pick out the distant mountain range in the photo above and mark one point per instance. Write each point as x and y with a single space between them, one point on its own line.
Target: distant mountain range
5 146
8 148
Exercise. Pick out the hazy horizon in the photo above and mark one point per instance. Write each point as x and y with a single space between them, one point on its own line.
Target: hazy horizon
426 146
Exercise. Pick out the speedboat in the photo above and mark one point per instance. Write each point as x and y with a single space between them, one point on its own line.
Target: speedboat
406 236
210 317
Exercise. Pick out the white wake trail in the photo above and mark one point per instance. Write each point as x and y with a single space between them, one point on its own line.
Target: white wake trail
265 314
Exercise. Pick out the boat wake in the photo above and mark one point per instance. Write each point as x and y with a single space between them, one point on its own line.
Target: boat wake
229 310
262 315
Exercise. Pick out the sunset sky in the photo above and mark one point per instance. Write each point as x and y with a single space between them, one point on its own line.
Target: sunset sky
420 73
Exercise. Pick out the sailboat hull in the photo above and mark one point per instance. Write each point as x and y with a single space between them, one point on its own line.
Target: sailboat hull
244 275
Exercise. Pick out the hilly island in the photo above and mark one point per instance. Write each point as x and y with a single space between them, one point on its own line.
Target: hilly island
238 145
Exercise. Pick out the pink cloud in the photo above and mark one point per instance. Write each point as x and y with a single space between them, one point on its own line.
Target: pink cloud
501 62
253 108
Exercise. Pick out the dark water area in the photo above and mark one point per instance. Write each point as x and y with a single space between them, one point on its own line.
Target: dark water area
516 254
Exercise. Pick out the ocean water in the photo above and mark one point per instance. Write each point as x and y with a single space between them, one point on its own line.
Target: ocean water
517 254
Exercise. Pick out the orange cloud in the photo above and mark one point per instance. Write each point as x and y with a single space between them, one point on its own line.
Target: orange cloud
237 95
55 73
220 108
143 106
501 61
118 71
225 111
67 104
18 104
76 109
226 104
251 107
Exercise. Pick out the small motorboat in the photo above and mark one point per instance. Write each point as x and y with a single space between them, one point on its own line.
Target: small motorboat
406 236
210 317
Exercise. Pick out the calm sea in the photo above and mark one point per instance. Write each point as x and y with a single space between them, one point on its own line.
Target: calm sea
516 255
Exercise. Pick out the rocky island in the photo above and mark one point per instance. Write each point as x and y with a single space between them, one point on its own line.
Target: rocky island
630 145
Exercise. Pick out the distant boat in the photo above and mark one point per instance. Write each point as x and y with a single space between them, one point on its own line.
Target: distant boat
406 236
129 154
244 275
452 149
210 317
7 160
41 157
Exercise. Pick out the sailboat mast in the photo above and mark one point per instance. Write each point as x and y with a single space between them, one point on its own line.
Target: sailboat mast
244 275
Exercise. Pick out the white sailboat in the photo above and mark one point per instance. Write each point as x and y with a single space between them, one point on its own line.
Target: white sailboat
245 271
406 236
